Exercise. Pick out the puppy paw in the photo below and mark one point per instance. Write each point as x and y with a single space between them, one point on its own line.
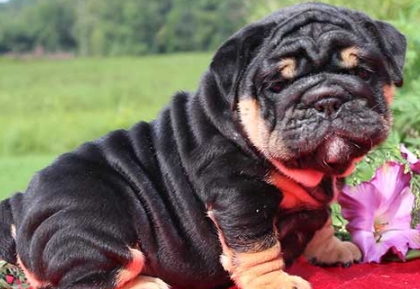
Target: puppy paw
273 280
293 282
335 253
146 282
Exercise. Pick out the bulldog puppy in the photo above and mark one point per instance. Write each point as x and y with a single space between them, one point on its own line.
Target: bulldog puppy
229 184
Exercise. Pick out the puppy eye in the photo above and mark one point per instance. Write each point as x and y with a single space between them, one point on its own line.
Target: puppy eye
362 73
275 87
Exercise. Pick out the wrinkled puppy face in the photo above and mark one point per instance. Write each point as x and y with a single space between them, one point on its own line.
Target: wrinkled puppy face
316 96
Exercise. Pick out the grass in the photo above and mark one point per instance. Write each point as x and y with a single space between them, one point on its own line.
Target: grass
18 170
48 107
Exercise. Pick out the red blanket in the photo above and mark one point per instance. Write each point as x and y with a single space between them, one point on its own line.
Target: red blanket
393 275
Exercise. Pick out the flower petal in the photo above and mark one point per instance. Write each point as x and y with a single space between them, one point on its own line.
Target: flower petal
367 245
398 214
399 241
409 156
415 168
413 161
390 180
358 205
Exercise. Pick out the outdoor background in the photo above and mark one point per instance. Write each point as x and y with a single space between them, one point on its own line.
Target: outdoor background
73 70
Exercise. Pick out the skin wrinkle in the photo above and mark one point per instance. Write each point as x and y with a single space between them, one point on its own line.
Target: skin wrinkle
310 47
300 19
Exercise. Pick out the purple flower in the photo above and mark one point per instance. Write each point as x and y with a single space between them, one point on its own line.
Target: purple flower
413 161
379 213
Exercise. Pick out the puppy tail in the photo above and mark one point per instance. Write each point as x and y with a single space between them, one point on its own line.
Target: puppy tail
9 210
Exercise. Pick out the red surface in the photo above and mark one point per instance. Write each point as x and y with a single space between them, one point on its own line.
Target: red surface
361 276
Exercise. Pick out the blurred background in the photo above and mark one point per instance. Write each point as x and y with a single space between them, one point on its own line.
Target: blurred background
72 70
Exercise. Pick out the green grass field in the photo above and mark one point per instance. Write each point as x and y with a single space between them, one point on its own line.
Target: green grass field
48 107
16 171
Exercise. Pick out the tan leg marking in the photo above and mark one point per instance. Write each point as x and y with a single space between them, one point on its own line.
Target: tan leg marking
328 249
389 92
287 68
227 254
263 269
32 280
132 269
349 57
146 282
256 270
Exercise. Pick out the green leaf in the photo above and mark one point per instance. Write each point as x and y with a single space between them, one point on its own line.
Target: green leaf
411 255
4 285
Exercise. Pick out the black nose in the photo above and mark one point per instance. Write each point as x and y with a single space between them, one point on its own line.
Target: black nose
328 106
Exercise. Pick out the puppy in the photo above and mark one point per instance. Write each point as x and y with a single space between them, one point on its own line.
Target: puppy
228 184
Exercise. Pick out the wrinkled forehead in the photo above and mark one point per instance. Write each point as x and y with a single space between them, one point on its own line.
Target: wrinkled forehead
317 34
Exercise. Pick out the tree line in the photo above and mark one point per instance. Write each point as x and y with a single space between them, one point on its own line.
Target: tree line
123 27
135 27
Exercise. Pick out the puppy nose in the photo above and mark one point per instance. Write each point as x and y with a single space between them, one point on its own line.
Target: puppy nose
328 106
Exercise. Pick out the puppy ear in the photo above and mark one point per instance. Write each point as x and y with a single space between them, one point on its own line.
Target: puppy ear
395 45
234 56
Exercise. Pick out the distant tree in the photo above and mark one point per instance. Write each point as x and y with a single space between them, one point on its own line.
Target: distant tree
200 24
107 27
29 23
52 22
14 32
124 27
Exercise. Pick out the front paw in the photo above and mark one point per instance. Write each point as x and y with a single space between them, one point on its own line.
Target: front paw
292 282
277 280
336 252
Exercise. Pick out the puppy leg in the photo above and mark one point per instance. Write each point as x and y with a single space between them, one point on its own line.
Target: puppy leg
146 282
263 269
326 249
257 268
78 249
94 274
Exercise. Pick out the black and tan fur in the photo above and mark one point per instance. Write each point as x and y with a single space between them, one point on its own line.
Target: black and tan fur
228 184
